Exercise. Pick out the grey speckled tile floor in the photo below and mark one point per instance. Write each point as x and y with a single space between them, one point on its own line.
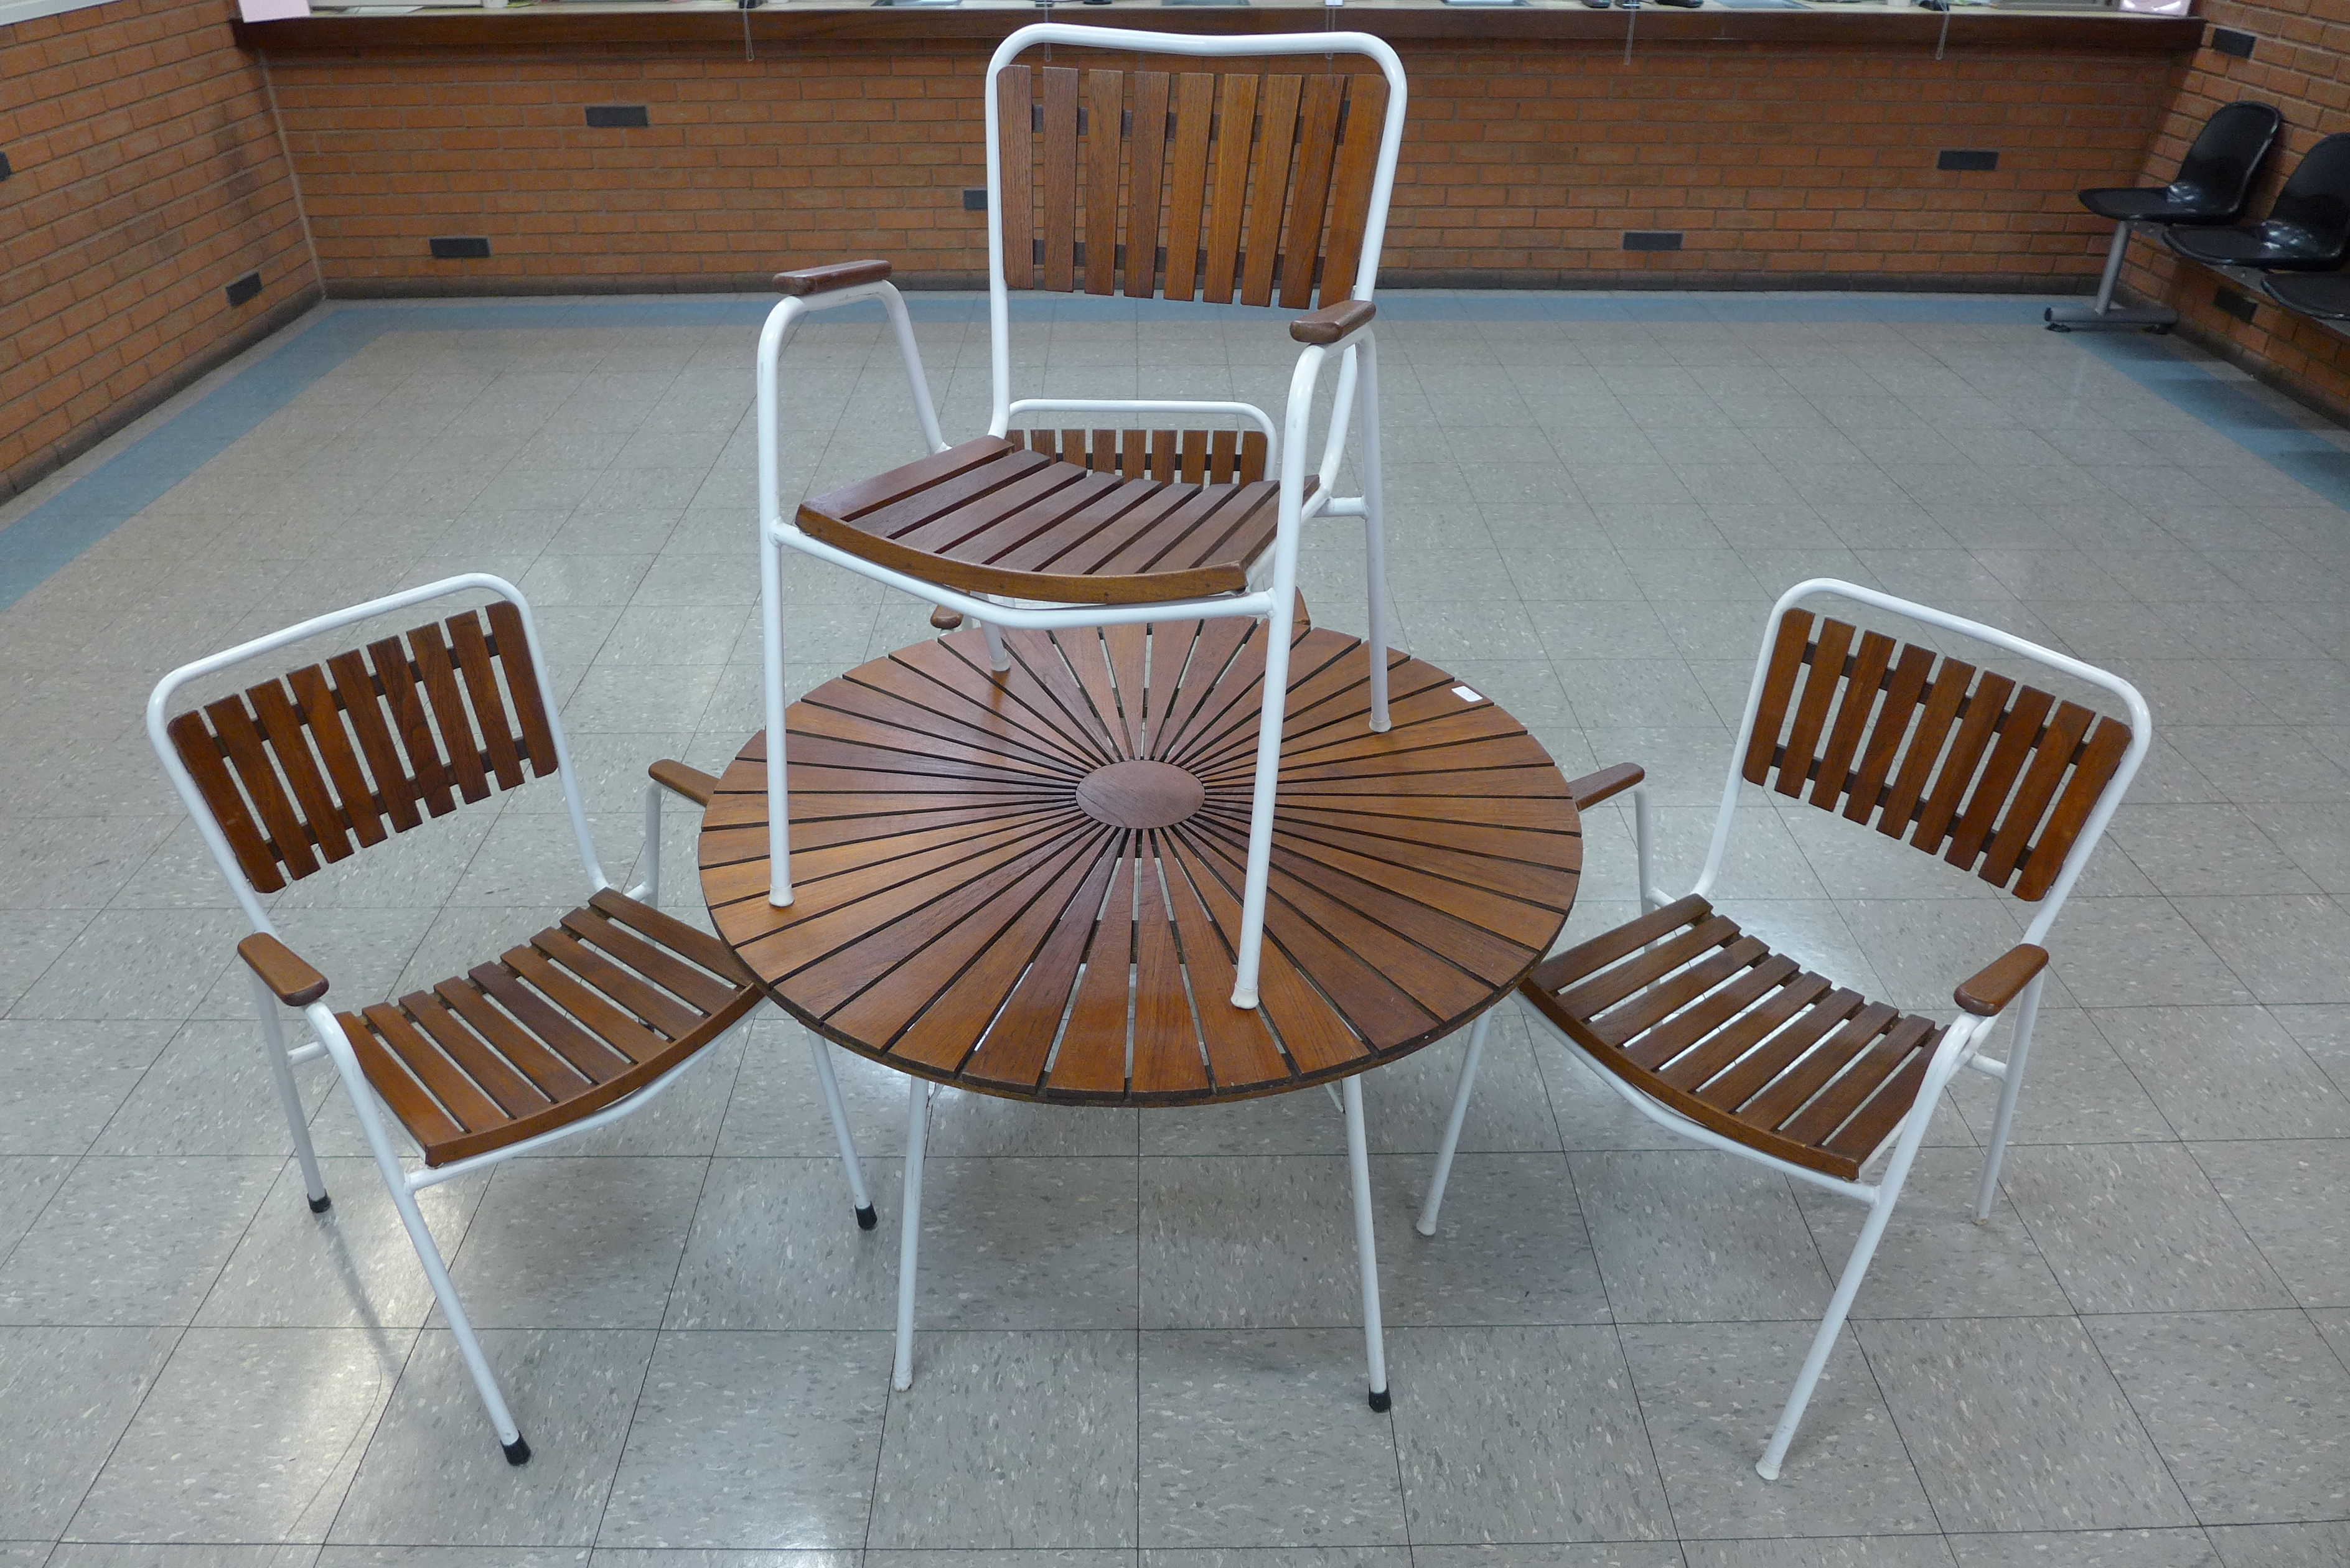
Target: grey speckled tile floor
1139 1347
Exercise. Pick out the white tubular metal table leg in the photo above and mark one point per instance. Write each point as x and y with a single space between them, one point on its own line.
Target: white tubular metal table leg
822 1051
2027 1013
281 1072
910 1227
1366 1252
1375 545
999 658
1450 1143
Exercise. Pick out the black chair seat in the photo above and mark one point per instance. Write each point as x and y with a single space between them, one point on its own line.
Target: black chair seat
2325 297
2179 202
2271 245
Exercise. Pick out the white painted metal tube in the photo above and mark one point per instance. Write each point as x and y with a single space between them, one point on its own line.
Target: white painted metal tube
1449 1144
2027 1014
647 889
910 1227
1375 541
281 1073
821 1050
771 650
1643 841
420 1235
1366 1251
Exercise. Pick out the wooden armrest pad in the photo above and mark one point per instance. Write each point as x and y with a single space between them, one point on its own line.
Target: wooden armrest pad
1991 988
1593 788
282 969
1333 322
810 280
691 782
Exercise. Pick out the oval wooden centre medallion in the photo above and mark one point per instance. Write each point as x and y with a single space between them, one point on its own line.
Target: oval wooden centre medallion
1140 795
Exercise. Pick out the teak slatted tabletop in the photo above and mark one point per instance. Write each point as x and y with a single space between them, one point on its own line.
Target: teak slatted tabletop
1027 884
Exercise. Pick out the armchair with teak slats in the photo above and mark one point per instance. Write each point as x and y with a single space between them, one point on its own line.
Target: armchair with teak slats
1216 186
1702 1027
583 1023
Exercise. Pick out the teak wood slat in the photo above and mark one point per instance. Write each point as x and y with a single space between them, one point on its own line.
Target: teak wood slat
1994 777
1064 932
555 1031
1705 1019
1247 185
1053 515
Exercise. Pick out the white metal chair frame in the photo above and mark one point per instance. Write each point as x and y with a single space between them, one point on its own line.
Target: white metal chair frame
1961 1046
1357 376
327 1036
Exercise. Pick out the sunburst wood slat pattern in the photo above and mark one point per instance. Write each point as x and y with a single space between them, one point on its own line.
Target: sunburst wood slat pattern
1029 884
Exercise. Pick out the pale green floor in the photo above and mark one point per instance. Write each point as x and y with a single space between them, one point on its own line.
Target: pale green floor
1138 1331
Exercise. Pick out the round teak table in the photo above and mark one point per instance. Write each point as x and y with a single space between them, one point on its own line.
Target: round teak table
1027 884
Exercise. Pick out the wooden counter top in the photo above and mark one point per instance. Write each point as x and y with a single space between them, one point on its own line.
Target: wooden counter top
536 27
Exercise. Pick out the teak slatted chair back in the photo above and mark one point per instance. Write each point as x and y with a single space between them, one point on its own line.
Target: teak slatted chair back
1704 1028
584 1023
1994 776
303 770
1230 185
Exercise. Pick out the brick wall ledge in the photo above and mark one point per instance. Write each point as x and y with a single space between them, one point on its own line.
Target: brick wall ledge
534 28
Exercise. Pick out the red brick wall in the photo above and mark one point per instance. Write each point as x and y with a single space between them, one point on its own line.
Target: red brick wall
1781 165
2301 64
148 175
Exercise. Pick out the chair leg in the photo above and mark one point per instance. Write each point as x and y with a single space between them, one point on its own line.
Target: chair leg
2113 272
647 891
1375 546
771 621
1839 1308
2027 1013
1643 835
1366 1252
428 1252
1450 1143
2104 312
822 1051
909 1226
999 658
1270 710
281 1071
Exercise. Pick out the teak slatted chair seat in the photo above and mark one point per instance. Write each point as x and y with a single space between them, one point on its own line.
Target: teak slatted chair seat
1701 1027
593 1009
1679 1003
1135 517
588 1021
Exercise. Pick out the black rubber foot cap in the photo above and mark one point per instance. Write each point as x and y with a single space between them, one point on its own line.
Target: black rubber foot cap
320 1204
867 1218
518 1451
1382 1399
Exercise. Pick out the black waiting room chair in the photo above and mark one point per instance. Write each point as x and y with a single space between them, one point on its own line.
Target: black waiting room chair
2325 295
2214 180
2308 230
